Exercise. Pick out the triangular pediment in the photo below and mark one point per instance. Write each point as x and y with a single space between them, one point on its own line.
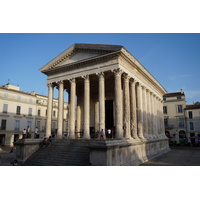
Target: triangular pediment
79 52
80 56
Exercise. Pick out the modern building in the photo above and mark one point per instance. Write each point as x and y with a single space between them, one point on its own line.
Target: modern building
108 89
174 116
18 110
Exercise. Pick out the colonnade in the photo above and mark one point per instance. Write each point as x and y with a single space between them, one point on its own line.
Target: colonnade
138 110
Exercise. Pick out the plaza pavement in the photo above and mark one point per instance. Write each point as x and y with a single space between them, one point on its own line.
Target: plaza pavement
177 156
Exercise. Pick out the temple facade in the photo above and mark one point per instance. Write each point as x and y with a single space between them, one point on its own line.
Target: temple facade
108 89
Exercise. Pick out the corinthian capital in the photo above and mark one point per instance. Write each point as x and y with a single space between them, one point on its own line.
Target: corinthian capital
117 72
86 77
72 80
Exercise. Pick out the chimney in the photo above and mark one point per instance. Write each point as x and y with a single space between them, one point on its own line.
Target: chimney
182 91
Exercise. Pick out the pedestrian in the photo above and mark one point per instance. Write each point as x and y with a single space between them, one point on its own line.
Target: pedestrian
24 134
28 132
15 162
109 133
102 134
36 132
12 156
44 142
49 141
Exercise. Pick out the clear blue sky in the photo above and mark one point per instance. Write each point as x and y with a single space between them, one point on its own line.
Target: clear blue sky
173 59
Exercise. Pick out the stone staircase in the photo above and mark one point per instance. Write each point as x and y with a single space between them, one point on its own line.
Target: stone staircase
61 153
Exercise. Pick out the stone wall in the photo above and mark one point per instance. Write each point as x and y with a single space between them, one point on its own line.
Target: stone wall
125 153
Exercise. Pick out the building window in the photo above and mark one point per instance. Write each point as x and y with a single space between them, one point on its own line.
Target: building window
181 122
18 110
17 125
30 112
164 99
190 114
180 109
54 113
5 108
166 122
39 112
165 109
179 97
191 126
3 124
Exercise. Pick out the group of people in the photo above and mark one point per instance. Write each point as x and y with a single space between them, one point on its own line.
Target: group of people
27 133
110 133
47 142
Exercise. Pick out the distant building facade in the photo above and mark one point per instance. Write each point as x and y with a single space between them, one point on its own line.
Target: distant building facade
18 110
192 114
174 116
182 121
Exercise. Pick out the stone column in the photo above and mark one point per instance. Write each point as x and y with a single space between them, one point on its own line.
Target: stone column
97 116
151 115
148 115
49 109
60 109
139 111
101 101
72 108
156 116
118 104
126 106
144 102
133 111
86 122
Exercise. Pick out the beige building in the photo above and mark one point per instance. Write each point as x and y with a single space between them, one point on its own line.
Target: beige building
18 110
192 114
174 116
108 89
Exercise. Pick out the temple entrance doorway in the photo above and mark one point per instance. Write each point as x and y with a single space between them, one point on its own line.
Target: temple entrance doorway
109 120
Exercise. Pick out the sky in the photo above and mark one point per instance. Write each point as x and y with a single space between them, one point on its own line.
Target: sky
172 58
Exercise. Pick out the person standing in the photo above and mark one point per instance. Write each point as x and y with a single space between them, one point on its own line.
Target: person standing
24 134
36 132
102 134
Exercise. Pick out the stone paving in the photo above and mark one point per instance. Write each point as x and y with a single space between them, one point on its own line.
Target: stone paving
177 156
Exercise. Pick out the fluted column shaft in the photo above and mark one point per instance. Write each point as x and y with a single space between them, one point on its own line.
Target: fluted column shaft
148 114
101 101
126 106
139 111
49 109
60 109
118 104
86 134
72 108
144 113
133 119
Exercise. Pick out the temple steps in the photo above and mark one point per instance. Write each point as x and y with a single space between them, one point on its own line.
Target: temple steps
61 153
